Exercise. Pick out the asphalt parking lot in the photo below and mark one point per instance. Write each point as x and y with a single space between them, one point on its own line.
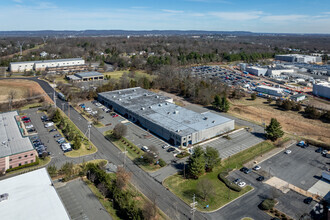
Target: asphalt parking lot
44 135
135 134
239 141
80 201
302 167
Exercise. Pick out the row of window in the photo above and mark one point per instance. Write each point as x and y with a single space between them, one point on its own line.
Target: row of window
21 157
20 164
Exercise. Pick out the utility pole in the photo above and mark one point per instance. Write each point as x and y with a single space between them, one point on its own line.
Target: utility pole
63 107
68 110
124 152
193 207
89 125
45 39
54 97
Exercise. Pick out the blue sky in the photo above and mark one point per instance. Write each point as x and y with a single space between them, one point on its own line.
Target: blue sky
271 16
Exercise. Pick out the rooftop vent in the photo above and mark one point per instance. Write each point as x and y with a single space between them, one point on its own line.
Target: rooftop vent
160 105
213 122
178 130
166 103
4 197
119 92
145 94
119 99
157 96
134 90
205 118
142 108
114 96
130 97
150 106
168 113
176 112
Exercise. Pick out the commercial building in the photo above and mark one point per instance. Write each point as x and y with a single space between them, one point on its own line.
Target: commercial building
298 97
322 89
42 65
31 196
15 150
85 76
158 114
270 90
258 71
298 58
277 72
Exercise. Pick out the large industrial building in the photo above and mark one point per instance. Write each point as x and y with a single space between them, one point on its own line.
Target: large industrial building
158 114
15 150
270 90
42 65
298 58
276 72
257 71
31 196
85 76
322 89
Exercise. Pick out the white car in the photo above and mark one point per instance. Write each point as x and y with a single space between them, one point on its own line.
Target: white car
165 146
241 184
88 109
257 167
49 124
29 126
287 152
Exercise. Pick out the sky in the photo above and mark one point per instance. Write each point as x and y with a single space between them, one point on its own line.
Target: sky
263 16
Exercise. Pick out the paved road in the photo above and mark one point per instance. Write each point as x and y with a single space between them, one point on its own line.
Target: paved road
81 202
167 202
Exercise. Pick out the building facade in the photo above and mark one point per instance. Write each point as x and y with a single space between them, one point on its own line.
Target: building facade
298 58
85 76
158 114
15 150
42 65
270 90
322 90
257 71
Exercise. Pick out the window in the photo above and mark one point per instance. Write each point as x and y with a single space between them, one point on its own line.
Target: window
31 154
25 162
19 157
19 164
31 161
10 166
25 156
10 159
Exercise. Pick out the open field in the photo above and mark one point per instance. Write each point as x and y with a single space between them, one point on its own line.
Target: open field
185 188
22 88
117 74
292 122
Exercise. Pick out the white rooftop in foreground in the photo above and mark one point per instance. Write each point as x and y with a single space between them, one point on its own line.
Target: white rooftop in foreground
31 196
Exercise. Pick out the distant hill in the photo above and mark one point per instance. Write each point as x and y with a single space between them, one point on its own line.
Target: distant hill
68 33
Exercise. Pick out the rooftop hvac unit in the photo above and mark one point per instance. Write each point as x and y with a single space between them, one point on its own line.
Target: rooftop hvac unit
176 112
114 96
166 103
142 108
157 97
130 97
119 99
213 122
150 106
205 118
134 90
4 197
145 94
160 105
119 92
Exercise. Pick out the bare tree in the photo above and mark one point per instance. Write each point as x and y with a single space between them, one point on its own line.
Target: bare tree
150 209
119 131
11 97
103 189
123 177
205 188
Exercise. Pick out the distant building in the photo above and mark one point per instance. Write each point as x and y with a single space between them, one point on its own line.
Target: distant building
270 90
31 196
179 126
277 72
298 58
43 54
257 71
322 89
298 97
85 76
42 65
15 150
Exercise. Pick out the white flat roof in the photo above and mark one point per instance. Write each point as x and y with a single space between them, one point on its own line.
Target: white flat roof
31 196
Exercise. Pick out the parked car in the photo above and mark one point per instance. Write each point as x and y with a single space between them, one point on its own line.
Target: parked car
61 139
319 150
165 146
241 184
324 152
31 130
114 116
308 200
27 121
51 130
247 171
257 167
236 181
302 144
145 149
49 124
29 126
171 149
287 152
44 118
260 178
57 135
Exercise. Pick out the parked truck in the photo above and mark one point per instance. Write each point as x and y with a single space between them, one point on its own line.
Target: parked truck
326 175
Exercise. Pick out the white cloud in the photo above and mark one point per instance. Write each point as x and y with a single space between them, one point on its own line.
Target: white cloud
284 18
172 11
238 16
18 1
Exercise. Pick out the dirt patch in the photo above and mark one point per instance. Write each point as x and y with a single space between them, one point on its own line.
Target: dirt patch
22 89
292 122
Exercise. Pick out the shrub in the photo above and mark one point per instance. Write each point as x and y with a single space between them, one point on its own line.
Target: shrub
24 166
230 185
283 215
268 204
161 162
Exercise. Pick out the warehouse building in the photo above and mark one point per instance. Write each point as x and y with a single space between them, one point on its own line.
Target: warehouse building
298 58
270 90
85 76
257 71
322 89
276 72
298 97
158 114
15 150
31 196
42 65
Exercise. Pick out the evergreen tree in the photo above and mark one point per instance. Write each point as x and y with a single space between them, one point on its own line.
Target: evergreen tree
196 163
77 142
57 116
217 101
211 158
274 130
225 105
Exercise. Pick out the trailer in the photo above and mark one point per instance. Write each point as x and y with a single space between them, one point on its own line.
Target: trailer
326 175
61 96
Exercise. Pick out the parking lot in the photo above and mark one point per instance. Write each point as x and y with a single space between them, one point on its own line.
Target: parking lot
302 167
135 134
237 141
80 201
46 137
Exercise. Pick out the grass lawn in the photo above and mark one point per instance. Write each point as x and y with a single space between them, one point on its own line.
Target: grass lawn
133 152
186 188
28 106
117 74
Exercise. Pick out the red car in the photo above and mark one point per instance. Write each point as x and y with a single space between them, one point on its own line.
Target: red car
27 121
24 117
115 116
